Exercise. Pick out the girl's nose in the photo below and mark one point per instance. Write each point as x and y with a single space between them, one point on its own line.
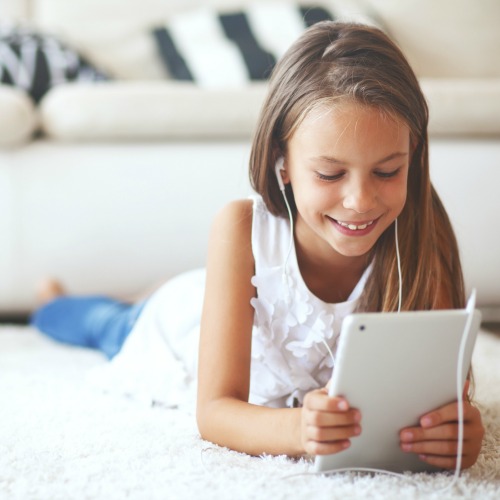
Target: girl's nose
360 197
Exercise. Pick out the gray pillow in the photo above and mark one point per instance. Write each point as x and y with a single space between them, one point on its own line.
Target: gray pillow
35 62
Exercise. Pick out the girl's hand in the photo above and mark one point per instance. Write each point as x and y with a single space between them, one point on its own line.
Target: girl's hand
436 439
327 423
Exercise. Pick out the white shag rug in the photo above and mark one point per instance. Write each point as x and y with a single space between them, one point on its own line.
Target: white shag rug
59 439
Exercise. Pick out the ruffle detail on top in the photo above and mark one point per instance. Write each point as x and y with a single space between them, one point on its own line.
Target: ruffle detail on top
290 329
291 324
286 317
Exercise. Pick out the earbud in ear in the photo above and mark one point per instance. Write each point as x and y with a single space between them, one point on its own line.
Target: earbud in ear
277 169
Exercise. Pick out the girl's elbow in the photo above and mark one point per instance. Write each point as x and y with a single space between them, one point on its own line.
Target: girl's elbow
211 419
203 418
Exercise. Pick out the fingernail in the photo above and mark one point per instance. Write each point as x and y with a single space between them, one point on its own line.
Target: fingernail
346 444
426 421
357 430
406 447
343 405
407 436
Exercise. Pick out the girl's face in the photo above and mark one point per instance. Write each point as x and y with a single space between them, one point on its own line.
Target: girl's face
348 168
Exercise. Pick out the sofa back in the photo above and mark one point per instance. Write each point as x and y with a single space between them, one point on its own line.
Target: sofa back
116 35
445 38
441 38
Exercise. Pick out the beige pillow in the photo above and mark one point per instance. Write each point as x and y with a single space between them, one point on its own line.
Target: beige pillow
19 116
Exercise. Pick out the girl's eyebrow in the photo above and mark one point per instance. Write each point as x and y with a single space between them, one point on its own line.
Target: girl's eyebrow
336 161
397 154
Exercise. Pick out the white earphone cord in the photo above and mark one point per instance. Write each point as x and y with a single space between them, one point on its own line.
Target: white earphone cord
400 275
461 355
459 361
290 246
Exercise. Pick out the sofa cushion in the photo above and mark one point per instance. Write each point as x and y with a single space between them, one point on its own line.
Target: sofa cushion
35 62
114 34
125 47
150 110
463 106
19 116
221 49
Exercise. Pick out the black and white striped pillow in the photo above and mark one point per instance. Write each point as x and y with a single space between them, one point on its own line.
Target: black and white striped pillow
228 49
36 62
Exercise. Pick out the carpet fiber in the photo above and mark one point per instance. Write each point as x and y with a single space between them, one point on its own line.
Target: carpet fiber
59 439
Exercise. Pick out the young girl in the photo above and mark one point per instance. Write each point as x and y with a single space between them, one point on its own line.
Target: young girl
341 140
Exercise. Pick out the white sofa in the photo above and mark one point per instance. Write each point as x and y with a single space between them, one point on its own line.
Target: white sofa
111 187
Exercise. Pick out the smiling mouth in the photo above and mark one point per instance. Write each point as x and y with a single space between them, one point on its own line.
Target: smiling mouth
354 227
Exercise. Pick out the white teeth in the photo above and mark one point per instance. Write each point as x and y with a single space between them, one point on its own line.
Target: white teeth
353 227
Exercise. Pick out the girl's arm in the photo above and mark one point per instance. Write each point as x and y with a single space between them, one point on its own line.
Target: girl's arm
223 413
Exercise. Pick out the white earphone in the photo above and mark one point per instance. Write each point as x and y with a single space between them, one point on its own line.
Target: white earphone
277 169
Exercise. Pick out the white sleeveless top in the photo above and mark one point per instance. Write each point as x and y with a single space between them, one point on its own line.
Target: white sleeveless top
158 362
289 357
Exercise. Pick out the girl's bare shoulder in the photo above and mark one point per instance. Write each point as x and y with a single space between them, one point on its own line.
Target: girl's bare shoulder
234 220
239 209
230 267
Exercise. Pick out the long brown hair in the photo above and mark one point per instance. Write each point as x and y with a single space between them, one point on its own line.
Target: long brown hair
333 63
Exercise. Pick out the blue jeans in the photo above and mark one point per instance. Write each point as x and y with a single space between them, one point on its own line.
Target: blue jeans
97 322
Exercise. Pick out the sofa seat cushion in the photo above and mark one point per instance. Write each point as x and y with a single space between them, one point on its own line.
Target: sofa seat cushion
150 110
19 116
181 110
463 106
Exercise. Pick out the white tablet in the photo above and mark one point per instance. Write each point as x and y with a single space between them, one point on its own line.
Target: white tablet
395 367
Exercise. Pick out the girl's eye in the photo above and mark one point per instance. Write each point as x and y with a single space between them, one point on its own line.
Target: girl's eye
329 178
388 175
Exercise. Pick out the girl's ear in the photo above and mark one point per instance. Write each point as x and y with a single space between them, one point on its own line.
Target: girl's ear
281 173
278 170
284 171
284 174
